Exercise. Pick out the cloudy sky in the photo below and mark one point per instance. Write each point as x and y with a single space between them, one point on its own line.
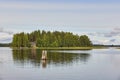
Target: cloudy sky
98 19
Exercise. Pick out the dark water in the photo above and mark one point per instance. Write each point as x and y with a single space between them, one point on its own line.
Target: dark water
98 64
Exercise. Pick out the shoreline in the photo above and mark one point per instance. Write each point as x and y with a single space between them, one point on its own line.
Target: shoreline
61 48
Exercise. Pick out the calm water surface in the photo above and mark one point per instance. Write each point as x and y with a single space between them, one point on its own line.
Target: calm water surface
97 64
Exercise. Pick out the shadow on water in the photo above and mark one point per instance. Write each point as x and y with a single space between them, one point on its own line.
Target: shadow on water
33 57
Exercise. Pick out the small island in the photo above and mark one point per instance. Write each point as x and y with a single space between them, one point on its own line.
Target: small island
51 40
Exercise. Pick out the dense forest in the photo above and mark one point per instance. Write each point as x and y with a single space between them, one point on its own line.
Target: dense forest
50 39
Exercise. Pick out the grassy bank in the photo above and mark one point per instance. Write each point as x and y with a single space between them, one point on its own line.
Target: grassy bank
65 48
99 47
62 48
118 48
55 48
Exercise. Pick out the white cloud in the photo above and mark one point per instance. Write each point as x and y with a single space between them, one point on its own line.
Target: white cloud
5 31
113 33
5 38
111 37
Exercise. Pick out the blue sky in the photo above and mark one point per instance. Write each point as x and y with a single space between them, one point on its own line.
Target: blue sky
99 19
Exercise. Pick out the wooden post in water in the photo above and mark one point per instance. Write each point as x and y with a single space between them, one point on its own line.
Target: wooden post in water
44 55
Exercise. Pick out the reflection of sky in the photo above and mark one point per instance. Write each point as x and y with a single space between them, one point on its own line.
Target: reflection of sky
99 18
98 51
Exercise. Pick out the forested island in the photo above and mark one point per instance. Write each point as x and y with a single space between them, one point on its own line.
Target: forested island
50 39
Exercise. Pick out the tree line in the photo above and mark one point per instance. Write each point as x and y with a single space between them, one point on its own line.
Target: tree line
50 39
5 44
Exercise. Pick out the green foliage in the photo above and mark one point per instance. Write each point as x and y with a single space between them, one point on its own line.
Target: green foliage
20 40
84 41
50 39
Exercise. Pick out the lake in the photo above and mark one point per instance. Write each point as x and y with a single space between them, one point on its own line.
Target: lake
96 64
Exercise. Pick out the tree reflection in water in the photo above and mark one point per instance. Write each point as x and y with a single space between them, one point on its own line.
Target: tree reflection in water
33 57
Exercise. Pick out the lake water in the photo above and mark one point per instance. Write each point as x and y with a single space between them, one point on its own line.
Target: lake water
97 64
